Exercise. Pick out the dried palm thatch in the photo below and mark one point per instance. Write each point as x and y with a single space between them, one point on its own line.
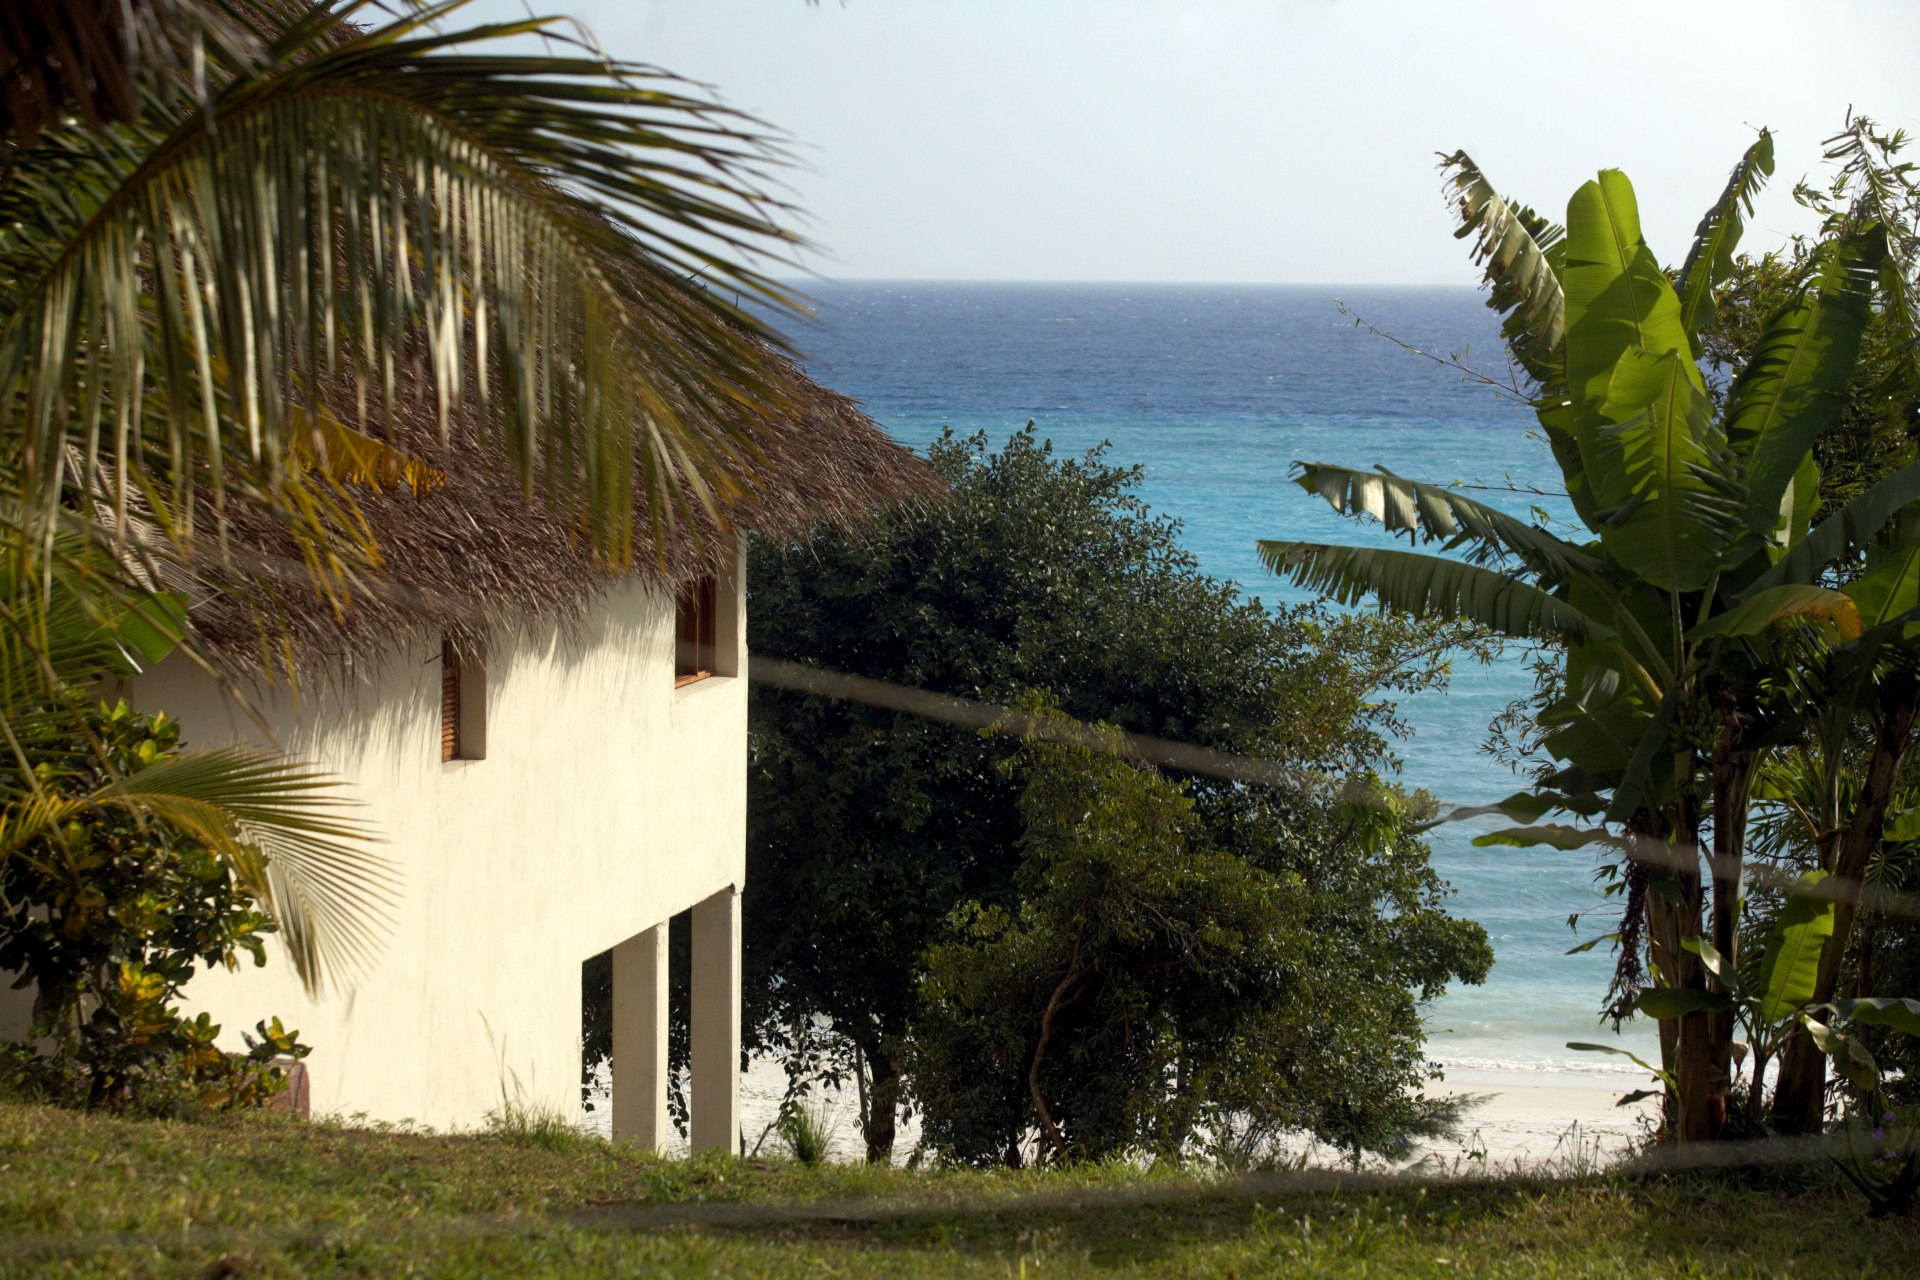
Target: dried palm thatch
460 546
90 58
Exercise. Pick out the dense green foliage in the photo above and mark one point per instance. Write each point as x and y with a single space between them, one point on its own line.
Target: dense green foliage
1847 757
1145 990
108 915
1878 428
92 1195
869 827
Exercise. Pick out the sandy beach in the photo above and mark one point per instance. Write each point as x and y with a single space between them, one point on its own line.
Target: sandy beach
1527 1118
1541 1117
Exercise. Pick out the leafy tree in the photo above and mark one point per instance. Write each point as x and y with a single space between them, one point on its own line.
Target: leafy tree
1701 585
1144 987
108 912
238 802
869 827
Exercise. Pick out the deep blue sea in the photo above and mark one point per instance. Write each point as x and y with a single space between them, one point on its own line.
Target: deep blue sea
1216 391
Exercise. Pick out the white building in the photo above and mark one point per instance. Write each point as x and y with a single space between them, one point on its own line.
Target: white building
554 760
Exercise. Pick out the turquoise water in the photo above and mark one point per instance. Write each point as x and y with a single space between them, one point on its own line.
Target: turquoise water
1215 392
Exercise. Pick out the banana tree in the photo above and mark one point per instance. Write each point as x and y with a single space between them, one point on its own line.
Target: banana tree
1697 571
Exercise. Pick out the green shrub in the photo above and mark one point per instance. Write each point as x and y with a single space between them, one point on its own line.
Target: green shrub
1147 991
807 1132
108 916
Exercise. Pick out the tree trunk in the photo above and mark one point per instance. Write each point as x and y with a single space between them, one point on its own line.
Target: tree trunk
1799 1099
1059 1000
883 1102
1686 1043
1663 945
1700 1097
1732 769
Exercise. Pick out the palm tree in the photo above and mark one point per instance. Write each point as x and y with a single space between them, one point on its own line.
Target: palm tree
235 234
1698 570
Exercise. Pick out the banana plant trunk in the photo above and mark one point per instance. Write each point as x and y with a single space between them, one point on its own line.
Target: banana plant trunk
1663 948
1673 905
1731 776
1675 902
1701 1092
1799 1100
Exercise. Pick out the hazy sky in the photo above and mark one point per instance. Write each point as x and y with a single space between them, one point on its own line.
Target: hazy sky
1241 140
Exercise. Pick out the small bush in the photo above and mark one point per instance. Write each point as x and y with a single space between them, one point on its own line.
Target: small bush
108 916
807 1133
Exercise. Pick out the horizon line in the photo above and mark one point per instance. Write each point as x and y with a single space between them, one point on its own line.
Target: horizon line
803 281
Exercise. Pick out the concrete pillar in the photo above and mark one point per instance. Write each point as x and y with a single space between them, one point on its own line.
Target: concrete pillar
715 1039
640 1039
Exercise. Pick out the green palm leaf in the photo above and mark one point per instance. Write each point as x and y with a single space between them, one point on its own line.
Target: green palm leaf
1794 386
327 889
1710 260
1791 962
1898 1012
1640 743
1659 455
1618 298
1843 533
1429 586
1520 254
1761 611
1888 588
1551 835
1439 514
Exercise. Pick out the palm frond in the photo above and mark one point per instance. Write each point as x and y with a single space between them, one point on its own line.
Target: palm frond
1646 778
1882 189
1660 460
1520 254
1438 514
1888 588
1618 298
91 58
539 238
1710 260
328 889
1853 526
93 618
1430 586
1832 611
1794 386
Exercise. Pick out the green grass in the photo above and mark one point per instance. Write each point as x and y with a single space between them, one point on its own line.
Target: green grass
262 1195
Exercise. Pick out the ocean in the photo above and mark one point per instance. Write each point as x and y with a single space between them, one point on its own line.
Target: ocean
1215 392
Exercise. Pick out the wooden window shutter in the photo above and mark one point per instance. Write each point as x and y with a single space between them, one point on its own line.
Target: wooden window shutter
449 702
696 630
709 590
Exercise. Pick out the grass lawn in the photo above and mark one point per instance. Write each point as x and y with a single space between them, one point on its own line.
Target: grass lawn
264 1195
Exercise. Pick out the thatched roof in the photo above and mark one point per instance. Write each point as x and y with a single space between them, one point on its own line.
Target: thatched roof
470 553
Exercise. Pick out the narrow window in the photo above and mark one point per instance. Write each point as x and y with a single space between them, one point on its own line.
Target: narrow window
463 705
695 631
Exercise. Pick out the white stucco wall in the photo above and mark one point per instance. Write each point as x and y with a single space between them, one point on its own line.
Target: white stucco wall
608 801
